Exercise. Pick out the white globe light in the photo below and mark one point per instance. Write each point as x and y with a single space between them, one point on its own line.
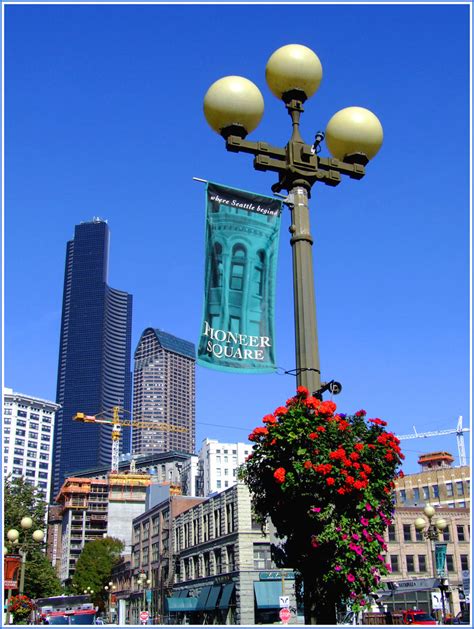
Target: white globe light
13 535
441 524
354 130
420 524
293 67
233 100
38 536
429 511
26 523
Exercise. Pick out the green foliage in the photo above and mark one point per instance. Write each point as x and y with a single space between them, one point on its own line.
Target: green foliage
22 499
326 482
94 567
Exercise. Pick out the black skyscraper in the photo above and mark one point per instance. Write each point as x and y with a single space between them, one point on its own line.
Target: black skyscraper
94 354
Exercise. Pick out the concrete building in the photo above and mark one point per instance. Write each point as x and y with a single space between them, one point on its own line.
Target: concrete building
164 391
410 554
208 562
91 508
28 427
219 462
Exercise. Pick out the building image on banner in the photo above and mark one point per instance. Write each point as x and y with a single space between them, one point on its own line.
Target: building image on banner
242 233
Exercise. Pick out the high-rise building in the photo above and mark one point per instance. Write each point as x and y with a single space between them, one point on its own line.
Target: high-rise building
94 353
218 464
164 392
28 424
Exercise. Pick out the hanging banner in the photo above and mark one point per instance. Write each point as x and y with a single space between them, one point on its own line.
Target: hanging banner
242 232
440 558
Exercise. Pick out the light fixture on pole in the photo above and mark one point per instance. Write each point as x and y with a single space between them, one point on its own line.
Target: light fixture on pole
233 107
430 531
22 543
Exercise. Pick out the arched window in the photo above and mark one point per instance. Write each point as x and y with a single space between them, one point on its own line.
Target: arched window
237 268
216 266
259 274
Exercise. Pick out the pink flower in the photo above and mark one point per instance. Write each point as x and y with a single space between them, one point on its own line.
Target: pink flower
379 538
355 536
337 568
316 509
344 536
368 507
389 567
338 529
364 521
380 558
351 578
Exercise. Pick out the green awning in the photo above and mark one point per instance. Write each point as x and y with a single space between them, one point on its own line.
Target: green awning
181 604
267 594
203 594
213 596
183 593
225 596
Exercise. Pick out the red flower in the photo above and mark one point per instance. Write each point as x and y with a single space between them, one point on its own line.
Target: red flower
378 422
313 435
312 402
341 490
371 446
366 468
330 481
350 480
269 419
302 391
321 429
327 408
343 425
361 413
307 465
281 410
354 456
272 442
359 446
279 475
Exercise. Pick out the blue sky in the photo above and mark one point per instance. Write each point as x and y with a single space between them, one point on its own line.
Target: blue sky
103 117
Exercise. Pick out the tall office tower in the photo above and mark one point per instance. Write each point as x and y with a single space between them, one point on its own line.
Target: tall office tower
28 424
164 392
94 354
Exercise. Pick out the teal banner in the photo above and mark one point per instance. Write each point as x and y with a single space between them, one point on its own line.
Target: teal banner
242 233
440 558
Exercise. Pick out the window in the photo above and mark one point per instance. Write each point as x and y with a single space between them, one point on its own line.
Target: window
31 453
32 444
21 422
392 536
416 494
31 463
218 471
435 489
403 495
33 426
218 460
410 563
459 488
19 442
446 534
450 563
20 433
426 492
419 536
262 558
230 558
32 435
394 563
34 416
22 414
43 466
30 473
7 421
17 461
18 471
42 475
44 447
45 437
219 484
226 483
226 472
421 563
218 561
407 532
449 489
216 274
237 268
464 562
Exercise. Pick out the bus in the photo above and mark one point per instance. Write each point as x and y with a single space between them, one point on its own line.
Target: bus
65 610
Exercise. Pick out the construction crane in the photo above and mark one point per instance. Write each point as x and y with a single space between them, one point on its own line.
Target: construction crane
458 431
117 424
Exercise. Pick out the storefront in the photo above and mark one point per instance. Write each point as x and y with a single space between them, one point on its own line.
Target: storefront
423 594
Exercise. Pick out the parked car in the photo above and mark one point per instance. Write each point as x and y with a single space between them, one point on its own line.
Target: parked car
417 617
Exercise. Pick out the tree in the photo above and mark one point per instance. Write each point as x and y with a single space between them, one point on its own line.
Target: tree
22 499
326 481
94 567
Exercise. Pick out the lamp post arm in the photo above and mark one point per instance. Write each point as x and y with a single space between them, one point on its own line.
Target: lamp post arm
23 554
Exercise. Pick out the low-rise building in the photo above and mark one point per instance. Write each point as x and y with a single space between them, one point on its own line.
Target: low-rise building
219 463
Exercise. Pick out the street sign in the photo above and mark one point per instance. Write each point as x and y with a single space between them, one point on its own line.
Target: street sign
284 601
144 617
285 615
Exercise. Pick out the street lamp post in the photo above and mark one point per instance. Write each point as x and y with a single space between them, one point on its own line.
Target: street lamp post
233 107
431 532
24 545
109 591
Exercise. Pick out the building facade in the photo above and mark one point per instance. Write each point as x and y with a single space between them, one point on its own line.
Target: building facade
164 393
94 353
219 463
28 427
413 576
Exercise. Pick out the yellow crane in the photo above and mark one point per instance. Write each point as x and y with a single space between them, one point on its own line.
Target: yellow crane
117 424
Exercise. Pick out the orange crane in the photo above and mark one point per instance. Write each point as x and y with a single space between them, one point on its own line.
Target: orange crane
117 424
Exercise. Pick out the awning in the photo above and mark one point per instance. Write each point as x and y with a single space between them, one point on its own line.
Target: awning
181 604
267 594
225 596
203 594
182 593
213 596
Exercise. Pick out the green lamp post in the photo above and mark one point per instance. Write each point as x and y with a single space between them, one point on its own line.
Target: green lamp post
233 107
